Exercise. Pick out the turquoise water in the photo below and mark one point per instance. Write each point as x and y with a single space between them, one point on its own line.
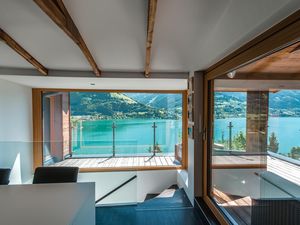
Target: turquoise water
131 136
286 129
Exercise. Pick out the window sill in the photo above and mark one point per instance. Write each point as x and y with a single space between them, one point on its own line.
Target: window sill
141 168
132 163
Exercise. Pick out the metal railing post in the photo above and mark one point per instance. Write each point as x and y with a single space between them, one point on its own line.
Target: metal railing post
230 126
114 139
154 138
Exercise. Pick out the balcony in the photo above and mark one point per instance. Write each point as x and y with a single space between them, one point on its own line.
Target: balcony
128 144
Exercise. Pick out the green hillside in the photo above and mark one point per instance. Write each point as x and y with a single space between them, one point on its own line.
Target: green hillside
170 101
103 105
230 105
285 103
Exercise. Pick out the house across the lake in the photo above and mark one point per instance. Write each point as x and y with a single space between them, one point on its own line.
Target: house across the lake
148 112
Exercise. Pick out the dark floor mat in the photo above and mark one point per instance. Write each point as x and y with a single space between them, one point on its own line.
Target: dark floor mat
178 200
129 215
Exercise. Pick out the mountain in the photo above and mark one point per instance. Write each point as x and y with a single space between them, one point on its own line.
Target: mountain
285 103
233 104
105 105
242 96
165 101
287 99
230 105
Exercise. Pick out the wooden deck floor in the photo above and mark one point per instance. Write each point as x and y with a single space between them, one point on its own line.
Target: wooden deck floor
238 207
239 161
117 162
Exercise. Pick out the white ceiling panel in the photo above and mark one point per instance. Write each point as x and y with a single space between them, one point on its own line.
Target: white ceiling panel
24 21
96 83
188 35
9 58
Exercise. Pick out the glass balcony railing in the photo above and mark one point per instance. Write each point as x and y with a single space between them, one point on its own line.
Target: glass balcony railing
119 143
125 138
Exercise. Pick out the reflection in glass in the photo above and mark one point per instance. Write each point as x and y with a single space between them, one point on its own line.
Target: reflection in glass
255 170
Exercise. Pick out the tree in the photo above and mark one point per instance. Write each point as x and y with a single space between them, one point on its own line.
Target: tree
273 143
295 152
223 139
239 141
157 148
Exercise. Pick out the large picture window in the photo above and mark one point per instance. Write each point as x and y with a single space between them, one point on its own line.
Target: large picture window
114 129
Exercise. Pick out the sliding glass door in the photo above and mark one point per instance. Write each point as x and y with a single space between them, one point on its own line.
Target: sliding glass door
254 144
56 127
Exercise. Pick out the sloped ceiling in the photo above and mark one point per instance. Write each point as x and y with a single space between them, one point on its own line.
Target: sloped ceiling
285 61
189 35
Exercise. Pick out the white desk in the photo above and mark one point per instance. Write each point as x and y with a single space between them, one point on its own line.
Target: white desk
48 204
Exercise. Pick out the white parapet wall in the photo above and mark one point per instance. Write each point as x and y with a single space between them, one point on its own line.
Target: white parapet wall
16 131
153 181
48 204
185 178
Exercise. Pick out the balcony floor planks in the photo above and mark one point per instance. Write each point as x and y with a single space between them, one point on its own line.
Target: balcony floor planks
111 162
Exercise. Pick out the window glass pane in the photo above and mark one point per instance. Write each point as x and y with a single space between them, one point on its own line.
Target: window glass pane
118 126
255 155
230 121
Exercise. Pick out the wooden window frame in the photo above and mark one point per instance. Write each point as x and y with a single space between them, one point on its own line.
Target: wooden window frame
277 37
37 109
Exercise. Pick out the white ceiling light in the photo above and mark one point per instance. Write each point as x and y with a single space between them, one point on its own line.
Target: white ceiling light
231 74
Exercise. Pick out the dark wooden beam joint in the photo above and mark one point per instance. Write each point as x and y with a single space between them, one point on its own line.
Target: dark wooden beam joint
59 14
22 52
152 5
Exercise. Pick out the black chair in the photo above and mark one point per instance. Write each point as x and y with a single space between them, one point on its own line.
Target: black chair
4 176
44 175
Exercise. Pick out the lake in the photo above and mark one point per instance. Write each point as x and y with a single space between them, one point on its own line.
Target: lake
132 136
286 129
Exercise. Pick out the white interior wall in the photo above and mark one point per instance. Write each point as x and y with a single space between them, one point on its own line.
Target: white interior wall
185 178
16 131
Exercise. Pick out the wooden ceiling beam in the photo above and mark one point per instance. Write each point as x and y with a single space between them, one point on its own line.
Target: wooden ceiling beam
262 76
22 52
152 5
57 11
